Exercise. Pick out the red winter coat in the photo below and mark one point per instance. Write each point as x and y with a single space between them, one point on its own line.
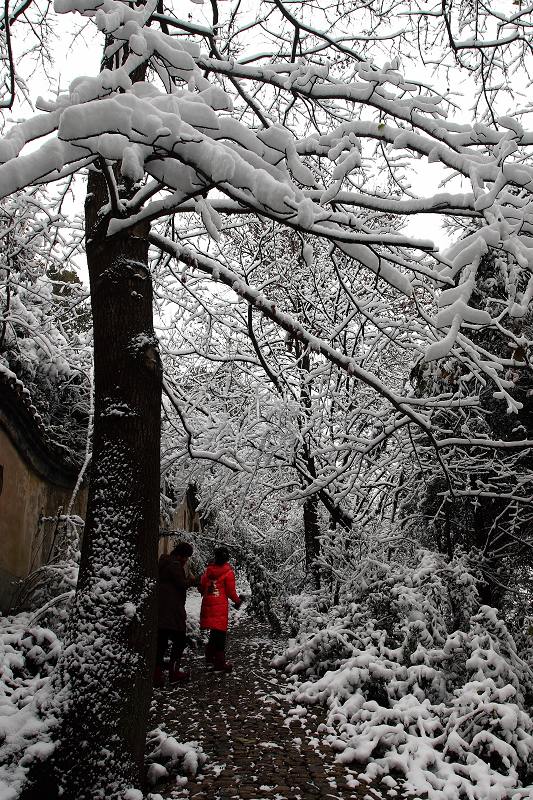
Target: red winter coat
217 584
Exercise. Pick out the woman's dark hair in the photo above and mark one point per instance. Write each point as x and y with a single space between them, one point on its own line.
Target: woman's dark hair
183 549
221 555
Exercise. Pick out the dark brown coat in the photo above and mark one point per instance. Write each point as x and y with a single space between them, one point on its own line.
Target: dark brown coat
172 585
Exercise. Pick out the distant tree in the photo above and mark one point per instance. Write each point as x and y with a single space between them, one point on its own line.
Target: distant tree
484 508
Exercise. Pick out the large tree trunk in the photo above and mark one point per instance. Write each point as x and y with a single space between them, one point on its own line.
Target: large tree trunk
104 675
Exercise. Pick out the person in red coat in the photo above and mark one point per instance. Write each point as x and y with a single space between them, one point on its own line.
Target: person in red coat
217 586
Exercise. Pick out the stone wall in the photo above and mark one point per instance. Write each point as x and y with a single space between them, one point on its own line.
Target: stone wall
36 483
27 499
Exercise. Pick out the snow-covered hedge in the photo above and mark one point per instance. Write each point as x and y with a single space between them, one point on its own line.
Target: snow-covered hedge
422 684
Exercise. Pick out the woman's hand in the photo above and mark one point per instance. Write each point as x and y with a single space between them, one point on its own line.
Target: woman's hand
242 598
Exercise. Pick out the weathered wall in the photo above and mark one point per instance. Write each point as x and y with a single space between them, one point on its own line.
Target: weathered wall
25 497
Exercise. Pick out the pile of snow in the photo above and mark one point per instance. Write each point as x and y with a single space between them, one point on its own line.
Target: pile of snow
166 756
192 608
422 685
27 658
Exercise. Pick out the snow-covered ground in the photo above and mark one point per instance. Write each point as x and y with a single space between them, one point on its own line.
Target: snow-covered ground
192 606
28 653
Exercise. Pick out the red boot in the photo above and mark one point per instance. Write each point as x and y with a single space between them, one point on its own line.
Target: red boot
221 665
159 678
177 675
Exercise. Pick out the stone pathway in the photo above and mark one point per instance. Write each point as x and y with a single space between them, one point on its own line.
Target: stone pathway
239 719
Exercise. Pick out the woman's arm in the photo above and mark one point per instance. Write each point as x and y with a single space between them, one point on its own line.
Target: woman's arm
231 591
192 578
175 574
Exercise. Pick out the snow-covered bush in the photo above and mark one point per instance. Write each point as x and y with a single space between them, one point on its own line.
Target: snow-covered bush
166 756
27 657
265 591
421 683
45 583
47 594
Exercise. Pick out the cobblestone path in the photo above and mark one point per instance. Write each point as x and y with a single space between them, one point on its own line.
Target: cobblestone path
240 721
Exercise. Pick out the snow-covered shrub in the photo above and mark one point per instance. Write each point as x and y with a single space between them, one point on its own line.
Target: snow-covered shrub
47 593
420 682
27 657
166 756
55 579
264 589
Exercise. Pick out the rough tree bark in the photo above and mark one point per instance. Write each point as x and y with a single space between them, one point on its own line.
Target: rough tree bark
103 682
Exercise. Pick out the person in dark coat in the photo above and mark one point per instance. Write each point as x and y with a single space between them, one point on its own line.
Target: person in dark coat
217 586
173 582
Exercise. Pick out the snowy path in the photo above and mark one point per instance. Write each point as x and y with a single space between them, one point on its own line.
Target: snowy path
239 720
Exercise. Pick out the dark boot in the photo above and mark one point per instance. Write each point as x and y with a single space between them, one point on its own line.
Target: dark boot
159 678
209 654
177 675
221 665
